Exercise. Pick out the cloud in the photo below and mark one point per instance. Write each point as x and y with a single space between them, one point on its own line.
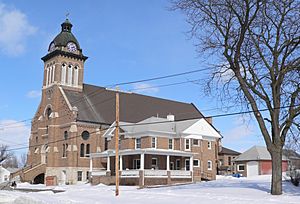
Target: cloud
145 88
14 134
14 31
34 94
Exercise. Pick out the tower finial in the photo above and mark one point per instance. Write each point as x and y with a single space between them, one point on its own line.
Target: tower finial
67 15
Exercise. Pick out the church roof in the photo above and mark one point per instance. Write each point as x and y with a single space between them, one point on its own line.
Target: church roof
97 104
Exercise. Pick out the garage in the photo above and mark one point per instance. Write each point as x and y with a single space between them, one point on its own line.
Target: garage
252 168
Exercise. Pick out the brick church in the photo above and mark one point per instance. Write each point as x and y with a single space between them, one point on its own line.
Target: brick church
72 120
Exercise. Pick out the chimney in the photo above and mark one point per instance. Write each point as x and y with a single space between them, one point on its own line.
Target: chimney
171 117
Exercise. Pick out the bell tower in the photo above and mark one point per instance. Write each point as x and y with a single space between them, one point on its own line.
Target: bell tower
64 62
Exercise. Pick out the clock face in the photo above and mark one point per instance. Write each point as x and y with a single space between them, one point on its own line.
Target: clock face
52 47
71 47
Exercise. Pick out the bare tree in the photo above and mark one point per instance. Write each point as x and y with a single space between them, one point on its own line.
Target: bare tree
11 162
4 153
22 160
256 45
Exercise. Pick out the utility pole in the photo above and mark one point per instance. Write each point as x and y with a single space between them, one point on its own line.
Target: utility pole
117 142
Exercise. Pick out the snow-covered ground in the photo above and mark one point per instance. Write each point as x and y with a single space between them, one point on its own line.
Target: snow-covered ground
225 190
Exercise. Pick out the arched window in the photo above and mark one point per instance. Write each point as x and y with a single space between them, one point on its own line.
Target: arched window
63 73
64 150
50 76
47 78
87 151
82 150
70 74
48 112
76 71
85 135
53 73
66 135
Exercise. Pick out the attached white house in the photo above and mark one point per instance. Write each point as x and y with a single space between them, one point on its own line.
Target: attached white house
159 151
4 174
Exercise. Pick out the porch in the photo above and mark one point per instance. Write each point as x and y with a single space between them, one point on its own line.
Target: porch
144 167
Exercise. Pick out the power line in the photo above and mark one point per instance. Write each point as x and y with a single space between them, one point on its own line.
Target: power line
126 83
158 122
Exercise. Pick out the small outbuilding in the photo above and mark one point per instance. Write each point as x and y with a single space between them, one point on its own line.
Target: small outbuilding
256 161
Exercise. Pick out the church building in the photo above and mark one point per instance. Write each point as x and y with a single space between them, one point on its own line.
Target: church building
72 130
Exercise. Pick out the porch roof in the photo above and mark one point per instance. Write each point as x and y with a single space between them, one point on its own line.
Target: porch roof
142 151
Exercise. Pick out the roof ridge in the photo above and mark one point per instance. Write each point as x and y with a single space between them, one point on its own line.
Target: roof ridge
172 100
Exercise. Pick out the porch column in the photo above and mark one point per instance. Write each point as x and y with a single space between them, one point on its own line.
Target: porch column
91 164
191 163
108 164
168 163
121 163
142 161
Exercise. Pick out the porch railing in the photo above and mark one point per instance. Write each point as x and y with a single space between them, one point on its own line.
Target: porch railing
180 174
130 173
156 173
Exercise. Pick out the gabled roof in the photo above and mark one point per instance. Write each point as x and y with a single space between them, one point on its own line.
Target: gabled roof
228 151
255 153
97 104
154 126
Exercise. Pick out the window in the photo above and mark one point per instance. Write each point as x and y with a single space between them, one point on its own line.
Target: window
187 164
105 144
196 142
85 135
53 73
76 76
229 161
66 135
70 73
209 144
138 143
153 142
87 150
82 150
48 112
196 163
36 139
87 175
63 73
177 164
154 163
136 164
170 143
209 165
65 147
79 175
47 129
241 167
187 144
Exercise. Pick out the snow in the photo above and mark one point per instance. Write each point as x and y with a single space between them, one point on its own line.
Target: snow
225 190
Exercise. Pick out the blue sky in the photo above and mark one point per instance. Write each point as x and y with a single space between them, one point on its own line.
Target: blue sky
124 40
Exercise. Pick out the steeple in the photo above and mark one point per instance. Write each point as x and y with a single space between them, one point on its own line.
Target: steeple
64 62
